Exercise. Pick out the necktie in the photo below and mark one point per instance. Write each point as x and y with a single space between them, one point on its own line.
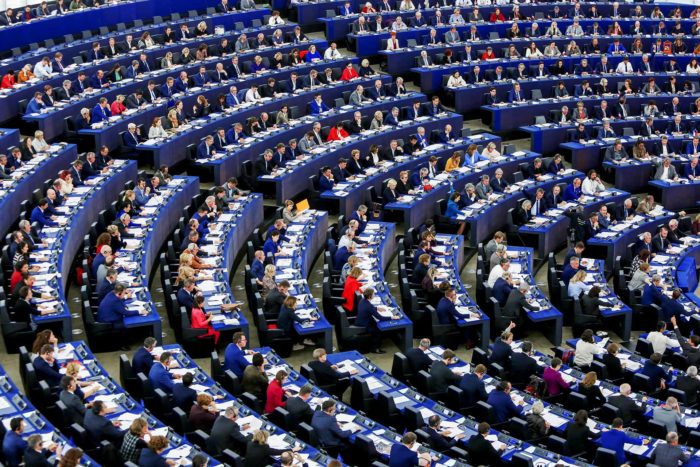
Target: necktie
153 95
395 44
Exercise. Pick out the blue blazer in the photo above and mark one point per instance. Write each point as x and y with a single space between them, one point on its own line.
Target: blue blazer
615 441
184 298
317 108
571 193
501 290
103 289
362 223
402 456
33 107
446 311
390 120
452 209
150 458
473 389
113 310
652 294
689 149
142 361
688 171
99 113
129 140
324 184
40 217
327 429
234 360
341 257
503 406
160 378
200 79
270 247
13 447
181 86
46 372
203 152
366 315
512 96
258 269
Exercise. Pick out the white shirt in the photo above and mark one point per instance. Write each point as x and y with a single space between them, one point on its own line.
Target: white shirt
331 54
496 272
658 341
533 53
157 132
43 71
39 145
252 96
624 67
455 82
585 351
590 187
274 20
664 174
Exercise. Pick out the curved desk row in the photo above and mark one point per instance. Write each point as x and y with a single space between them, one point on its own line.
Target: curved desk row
125 409
612 242
352 193
174 148
404 59
677 268
547 138
551 319
510 117
79 210
221 245
151 229
338 27
631 175
375 256
20 34
411 403
381 436
486 216
550 227
228 164
154 54
559 417
29 177
51 119
432 79
293 180
80 47
370 44
304 240
449 268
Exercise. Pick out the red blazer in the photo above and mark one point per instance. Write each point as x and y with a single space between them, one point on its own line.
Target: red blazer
117 107
348 74
275 396
352 285
7 81
336 135
493 18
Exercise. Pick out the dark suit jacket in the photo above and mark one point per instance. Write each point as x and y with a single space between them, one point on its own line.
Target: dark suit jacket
441 377
480 448
629 410
299 410
75 406
226 434
418 360
473 390
99 428
522 367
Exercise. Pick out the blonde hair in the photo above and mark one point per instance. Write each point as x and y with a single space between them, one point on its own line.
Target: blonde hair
260 436
580 276
73 368
355 272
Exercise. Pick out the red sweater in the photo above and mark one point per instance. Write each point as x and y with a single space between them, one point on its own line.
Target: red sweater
275 396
